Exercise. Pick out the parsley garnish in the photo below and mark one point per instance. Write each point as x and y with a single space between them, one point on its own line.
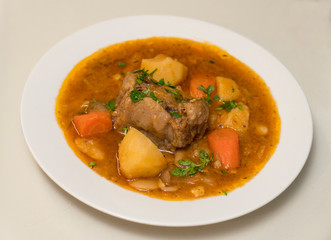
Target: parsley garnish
110 105
176 94
229 105
137 96
152 95
142 74
125 129
217 97
224 172
207 91
122 64
93 100
232 89
191 168
225 193
175 115
162 83
92 164
211 61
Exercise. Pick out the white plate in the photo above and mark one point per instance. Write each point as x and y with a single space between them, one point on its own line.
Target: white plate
50 149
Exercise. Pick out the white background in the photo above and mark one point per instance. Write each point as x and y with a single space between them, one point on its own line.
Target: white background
297 32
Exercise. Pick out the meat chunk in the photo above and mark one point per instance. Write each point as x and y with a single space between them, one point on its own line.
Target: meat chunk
157 119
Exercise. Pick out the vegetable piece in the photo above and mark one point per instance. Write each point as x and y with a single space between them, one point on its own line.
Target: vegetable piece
224 142
137 96
90 148
237 118
122 64
192 168
139 156
169 69
227 89
110 105
92 123
198 191
175 115
229 105
144 184
204 80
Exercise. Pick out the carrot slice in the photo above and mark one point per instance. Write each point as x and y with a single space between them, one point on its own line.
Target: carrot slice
224 142
92 123
201 79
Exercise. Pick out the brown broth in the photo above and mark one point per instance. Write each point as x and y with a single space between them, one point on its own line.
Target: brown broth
99 77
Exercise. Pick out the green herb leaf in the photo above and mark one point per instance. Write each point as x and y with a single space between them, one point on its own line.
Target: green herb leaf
240 107
143 74
232 89
137 96
93 100
191 168
224 172
92 164
225 193
207 91
229 105
211 61
217 97
175 115
176 94
125 129
152 95
122 64
110 105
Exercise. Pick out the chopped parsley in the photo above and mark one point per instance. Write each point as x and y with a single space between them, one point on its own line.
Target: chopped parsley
143 74
110 105
125 130
175 115
191 168
93 100
176 94
217 97
207 91
152 95
162 83
232 89
122 64
225 193
137 96
92 164
211 61
224 172
229 105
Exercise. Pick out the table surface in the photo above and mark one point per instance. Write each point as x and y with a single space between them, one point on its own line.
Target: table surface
297 32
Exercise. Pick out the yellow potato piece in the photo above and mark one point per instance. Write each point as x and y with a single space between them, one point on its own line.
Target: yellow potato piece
237 119
168 68
227 89
139 156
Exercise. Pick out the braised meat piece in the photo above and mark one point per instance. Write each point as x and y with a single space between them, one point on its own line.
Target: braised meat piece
168 119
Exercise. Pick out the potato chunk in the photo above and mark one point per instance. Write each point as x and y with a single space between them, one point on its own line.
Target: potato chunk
139 156
90 148
237 119
227 89
168 68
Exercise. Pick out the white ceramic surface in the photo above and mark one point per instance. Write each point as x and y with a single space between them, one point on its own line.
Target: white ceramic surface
49 148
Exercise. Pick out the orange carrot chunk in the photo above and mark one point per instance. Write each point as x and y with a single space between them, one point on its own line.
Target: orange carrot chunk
92 123
205 80
224 143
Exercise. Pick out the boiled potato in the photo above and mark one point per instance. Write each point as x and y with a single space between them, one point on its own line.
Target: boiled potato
90 148
139 156
236 119
170 69
227 89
